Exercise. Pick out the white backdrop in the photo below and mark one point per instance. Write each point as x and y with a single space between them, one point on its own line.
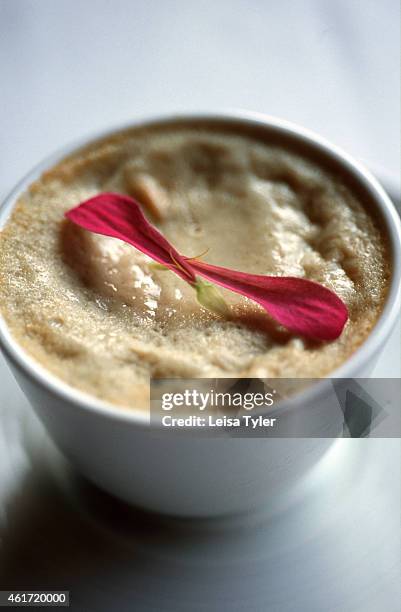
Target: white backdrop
69 67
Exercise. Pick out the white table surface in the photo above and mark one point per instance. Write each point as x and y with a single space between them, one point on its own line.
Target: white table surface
68 68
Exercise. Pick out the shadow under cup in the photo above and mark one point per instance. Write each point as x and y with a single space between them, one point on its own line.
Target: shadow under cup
200 476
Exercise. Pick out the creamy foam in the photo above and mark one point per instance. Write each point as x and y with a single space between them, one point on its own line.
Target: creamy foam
93 310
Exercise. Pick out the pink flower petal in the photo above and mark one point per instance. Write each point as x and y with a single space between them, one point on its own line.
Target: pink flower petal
119 216
302 306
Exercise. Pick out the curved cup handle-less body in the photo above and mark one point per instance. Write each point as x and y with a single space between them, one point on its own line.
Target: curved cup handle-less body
180 475
203 476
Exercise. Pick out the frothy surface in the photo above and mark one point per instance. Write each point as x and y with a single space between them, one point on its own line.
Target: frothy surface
94 311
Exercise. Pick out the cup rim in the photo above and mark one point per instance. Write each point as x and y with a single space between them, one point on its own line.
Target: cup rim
380 332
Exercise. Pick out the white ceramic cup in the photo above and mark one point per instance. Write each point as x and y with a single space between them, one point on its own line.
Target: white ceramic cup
122 453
